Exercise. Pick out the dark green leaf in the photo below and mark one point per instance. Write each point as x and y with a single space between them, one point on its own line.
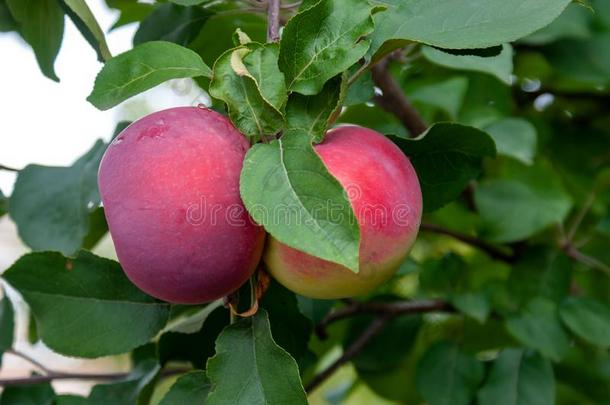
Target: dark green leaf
143 68
172 23
314 309
193 347
136 388
587 318
248 79
97 228
500 66
312 114
324 40
7 22
476 305
36 394
190 388
130 11
3 204
459 24
517 207
360 91
86 306
446 158
572 23
249 368
51 205
41 24
7 325
288 173
68 399
290 328
448 376
514 137
538 327
519 378
80 13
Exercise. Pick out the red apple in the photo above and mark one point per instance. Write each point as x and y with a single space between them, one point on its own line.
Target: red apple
170 188
383 189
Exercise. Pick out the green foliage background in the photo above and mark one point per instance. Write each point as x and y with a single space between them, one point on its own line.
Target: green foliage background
506 296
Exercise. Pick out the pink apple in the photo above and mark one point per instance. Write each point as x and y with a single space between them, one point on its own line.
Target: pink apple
383 189
170 188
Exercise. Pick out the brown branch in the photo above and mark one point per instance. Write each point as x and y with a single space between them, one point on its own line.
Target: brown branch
273 20
373 330
488 248
30 360
394 308
394 101
57 375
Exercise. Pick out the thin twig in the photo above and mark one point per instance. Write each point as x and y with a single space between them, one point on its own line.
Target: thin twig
273 20
580 216
373 330
394 308
56 375
8 169
30 360
395 101
488 248
572 252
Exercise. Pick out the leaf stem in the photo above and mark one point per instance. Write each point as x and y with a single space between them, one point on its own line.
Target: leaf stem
8 169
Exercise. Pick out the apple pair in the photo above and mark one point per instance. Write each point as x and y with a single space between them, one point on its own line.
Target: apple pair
170 188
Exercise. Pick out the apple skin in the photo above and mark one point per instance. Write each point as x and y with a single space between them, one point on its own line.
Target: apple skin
384 191
170 188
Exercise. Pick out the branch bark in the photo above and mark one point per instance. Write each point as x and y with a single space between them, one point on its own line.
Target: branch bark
488 248
394 101
273 20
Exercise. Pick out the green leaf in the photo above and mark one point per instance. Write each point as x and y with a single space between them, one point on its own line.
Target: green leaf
448 376
189 2
474 304
538 327
51 205
519 378
287 189
249 368
136 388
80 13
587 318
447 95
7 22
7 325
41 24
193 347
85 307
98 227
540 271
130 11
190 388
446 158
314 309
3 204
324 40
312 114
248 79
514 137
172 23
460 24
517 207
290 329
143 68
572 23
500 66
360 91
36 394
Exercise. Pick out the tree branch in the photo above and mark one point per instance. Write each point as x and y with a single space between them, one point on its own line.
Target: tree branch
29 359
394 101
488 248
373 330
273 20
393 309
8 169
57 375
